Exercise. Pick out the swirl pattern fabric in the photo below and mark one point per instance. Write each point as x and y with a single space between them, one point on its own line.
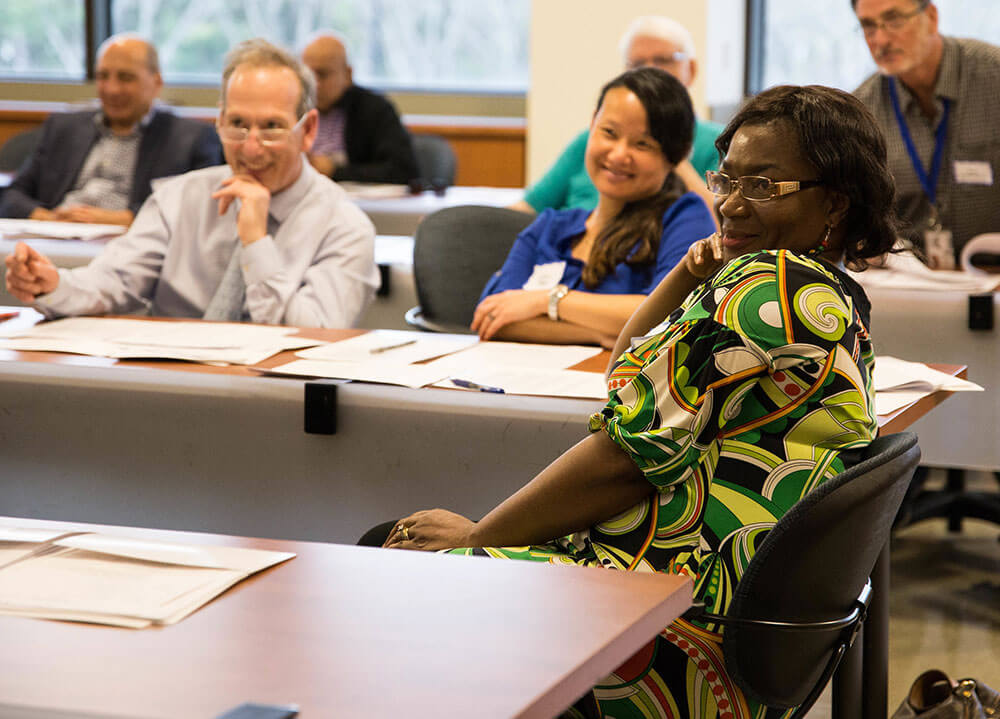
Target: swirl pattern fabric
748 397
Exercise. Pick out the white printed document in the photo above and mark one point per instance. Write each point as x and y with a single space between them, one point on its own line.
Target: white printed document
899 383
23 229
195 341
102 579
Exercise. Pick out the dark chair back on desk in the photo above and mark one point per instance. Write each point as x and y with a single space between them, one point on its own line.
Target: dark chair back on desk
16 150
436 161
805 594
455 251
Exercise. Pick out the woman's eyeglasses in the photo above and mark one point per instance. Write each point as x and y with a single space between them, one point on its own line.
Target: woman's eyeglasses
267 136
753 187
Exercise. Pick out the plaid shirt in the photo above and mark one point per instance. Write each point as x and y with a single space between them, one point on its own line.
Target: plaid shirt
969 78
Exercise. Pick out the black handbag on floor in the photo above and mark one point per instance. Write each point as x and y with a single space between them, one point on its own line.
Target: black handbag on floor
935 696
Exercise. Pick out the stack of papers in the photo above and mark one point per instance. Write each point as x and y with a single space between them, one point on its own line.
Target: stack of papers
905 272
213 342
37 229
374 190
399 357
87 577
899 383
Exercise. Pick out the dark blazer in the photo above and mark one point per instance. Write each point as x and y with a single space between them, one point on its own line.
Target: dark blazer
378 146
170 145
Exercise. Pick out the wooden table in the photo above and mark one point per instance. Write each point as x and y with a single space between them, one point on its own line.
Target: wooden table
352 632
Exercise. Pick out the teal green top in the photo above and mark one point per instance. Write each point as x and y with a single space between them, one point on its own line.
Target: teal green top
567 185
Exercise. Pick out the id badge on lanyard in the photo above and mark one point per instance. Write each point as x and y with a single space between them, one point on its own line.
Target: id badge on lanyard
938 243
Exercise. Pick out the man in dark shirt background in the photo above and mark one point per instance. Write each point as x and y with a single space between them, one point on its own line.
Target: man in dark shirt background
360 134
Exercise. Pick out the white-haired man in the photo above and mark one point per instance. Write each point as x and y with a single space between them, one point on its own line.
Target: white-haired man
264 238
936 99
650 41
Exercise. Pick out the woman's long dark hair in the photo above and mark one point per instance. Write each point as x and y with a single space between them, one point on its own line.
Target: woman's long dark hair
841 139
633 236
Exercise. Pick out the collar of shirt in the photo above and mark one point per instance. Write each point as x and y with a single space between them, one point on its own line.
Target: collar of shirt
284 202
948 85
143 123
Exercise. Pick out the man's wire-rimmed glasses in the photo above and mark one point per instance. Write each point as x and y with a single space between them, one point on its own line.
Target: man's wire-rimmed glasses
893 22
265 135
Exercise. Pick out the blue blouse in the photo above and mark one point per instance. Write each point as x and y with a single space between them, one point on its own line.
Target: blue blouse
550 239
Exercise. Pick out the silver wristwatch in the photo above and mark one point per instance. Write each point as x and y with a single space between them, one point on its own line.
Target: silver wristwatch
555 295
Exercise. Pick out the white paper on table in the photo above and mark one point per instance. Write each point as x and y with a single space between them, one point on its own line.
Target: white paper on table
892 374
230 343
27 229
121 581
904 271
889 402
535 381
374 191
359 349
490 356
407 375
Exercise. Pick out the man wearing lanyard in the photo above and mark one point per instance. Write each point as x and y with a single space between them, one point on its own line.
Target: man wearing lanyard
937 100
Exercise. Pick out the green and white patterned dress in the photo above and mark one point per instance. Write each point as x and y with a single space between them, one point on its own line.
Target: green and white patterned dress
752 394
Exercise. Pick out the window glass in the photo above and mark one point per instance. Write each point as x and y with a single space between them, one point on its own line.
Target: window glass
435 45
821 42
42 39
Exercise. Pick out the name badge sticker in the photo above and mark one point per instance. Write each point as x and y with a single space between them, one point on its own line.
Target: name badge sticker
546 276
973 172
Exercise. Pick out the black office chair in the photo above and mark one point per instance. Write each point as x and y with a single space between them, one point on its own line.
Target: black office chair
455 251
436 161
18 148
806 593
953 502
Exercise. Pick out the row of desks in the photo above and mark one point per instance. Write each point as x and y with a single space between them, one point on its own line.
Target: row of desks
912 324
187 446
394 211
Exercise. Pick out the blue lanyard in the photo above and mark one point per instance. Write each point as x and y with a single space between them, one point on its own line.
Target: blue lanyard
928 183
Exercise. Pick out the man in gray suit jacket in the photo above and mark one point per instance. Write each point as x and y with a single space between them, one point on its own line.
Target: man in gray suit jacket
97 166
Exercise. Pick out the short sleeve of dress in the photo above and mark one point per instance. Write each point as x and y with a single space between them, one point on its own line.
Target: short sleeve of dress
770 343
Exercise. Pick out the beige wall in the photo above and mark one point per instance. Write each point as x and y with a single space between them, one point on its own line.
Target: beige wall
574 51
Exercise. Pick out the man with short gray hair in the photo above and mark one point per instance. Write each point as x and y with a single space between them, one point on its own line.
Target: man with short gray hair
264 238
937 99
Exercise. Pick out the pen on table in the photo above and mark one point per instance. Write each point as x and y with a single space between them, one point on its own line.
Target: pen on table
4 316
386 348
466 384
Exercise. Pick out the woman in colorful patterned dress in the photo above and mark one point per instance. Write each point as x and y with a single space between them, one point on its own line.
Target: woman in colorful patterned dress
749 385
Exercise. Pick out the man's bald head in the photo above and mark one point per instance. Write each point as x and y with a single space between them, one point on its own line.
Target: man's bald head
128 80
326 56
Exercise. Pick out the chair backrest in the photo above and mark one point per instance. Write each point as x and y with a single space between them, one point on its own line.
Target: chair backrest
811 567
455 251
18 147
435 160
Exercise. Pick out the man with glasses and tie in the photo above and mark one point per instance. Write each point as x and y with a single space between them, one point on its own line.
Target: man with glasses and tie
263 239
937 99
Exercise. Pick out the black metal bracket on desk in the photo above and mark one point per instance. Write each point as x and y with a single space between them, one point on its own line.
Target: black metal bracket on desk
981 311
320 416
385 285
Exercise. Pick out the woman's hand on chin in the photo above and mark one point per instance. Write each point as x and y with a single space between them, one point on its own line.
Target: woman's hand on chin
704 256
431 530
507 307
